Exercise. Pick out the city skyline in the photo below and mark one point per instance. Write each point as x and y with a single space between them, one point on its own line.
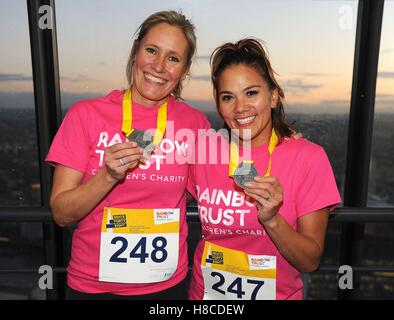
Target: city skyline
311 46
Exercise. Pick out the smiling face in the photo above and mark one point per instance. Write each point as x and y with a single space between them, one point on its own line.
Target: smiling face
160 64
245 102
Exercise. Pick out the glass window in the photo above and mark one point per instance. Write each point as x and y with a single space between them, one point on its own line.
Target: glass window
332 244
21 286
374 253
311 50
381 174
21 245
19 171
312 54
321 285
21 248
376 285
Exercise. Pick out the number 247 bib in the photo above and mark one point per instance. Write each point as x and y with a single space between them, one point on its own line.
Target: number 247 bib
139 245
235 275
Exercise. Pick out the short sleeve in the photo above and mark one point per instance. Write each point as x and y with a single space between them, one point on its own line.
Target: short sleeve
317 189
70 146
205 124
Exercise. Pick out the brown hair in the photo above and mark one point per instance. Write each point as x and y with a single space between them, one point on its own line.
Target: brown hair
172 18
251 53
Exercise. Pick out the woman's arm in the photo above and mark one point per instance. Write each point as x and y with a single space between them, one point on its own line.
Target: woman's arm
71 200
302 248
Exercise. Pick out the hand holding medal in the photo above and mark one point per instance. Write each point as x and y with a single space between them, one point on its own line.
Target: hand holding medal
122 157
266 190
144 140
268 194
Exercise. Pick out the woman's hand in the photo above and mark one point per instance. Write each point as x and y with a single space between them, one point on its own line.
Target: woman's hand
268 194
122 157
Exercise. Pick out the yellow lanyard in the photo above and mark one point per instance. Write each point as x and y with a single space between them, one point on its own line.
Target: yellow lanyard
234 154
128 118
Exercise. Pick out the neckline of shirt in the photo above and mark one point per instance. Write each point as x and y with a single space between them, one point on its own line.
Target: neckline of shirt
117 97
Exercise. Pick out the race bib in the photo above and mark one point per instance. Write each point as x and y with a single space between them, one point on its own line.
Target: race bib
139 245
235 275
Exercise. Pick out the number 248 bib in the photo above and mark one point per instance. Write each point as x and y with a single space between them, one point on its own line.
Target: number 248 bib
139 245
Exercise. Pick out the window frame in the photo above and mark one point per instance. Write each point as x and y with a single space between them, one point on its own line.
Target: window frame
352 217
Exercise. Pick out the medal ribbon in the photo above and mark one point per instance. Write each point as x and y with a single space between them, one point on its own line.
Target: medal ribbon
234 155
128 118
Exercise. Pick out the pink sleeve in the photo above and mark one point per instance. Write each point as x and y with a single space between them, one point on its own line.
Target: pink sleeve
191 183
70 146
203 124
317 189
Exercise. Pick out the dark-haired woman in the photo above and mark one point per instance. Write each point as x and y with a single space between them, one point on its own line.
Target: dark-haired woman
259 231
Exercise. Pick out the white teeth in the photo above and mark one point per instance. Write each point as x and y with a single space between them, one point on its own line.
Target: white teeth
154 79
246 120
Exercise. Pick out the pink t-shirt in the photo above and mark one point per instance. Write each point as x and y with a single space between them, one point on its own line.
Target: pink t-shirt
306 177
90 127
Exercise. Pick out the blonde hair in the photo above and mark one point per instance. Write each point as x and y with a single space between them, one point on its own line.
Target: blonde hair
172 18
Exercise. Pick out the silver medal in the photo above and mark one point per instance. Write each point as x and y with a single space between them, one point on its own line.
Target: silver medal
245 173
143 138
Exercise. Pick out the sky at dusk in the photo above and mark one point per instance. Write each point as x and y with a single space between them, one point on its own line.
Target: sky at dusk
310 44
